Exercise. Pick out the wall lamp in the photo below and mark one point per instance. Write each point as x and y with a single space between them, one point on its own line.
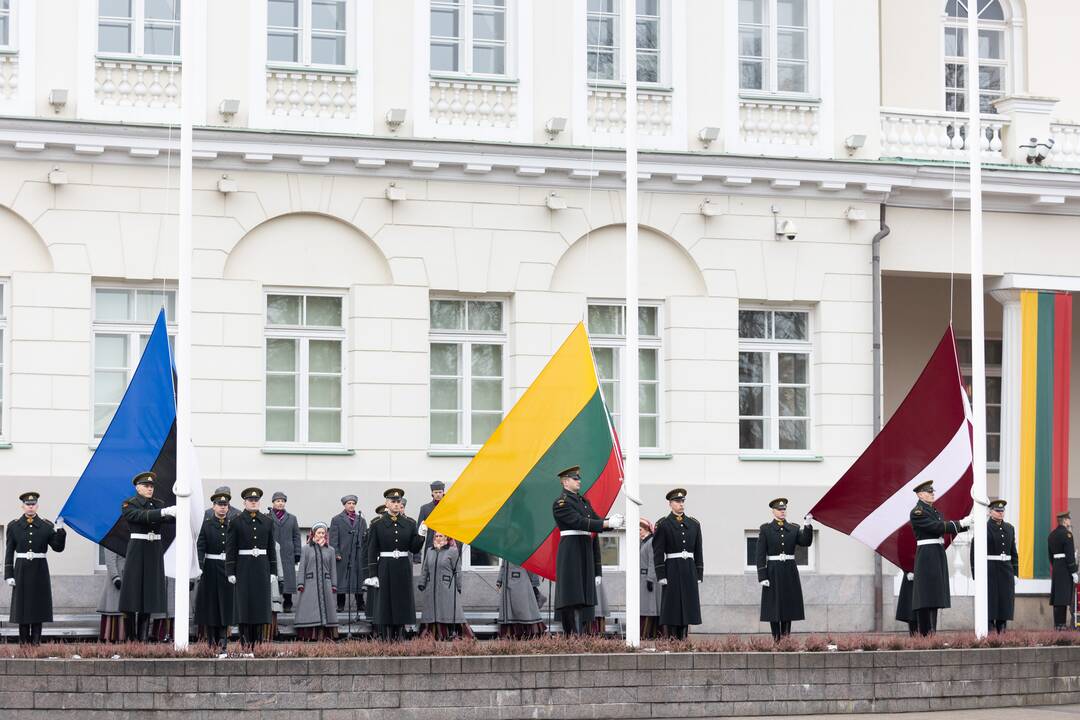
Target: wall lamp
708 134
710 209
1038 151
395 118
554 127
554 202
853 143
228 108
395 193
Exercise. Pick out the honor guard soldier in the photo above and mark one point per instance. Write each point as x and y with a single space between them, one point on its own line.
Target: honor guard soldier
215 599
778 574
250 553
27 571
391 541
930 592
143 589
577 562
1062 568
1002 567
679 567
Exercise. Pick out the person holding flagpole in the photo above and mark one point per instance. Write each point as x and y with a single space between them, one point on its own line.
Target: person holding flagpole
778 574
143 590
930 591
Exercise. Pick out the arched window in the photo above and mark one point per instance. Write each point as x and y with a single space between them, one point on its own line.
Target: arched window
993 54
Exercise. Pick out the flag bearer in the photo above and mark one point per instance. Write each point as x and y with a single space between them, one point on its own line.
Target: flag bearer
778 575
1002 567
27 571
390 543
143 587
1063 568
577 562
215 600
249 556
679 565
931 585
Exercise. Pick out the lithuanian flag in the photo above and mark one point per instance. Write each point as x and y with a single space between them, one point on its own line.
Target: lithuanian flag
502 501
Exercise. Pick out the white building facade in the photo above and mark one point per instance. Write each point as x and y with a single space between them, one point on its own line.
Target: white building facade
402 209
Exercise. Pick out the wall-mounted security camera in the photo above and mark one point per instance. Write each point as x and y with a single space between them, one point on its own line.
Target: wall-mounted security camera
784 229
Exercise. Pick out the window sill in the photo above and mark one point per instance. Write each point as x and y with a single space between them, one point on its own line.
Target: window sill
781 458
301 450
5 445
9 51
479 79
143 59
780 97
642 87
451 452
313 69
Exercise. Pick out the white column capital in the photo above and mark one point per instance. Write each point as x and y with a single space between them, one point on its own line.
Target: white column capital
1006 296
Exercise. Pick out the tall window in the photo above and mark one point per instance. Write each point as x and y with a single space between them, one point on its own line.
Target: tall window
992 54
307 32
607 333
774 379
3 360
139 27
992 355
468 348
305 339
604 38
5 24
469 36
774 46
123 321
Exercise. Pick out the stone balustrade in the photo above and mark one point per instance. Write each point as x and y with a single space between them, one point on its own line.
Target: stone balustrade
937 136
308 94
607 112
773 122
139 84
1066 152
475 104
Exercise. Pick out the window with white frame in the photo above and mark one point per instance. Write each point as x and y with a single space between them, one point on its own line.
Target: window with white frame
473 558
607 336
992 355
774 379
774 45
308 32
145 28
993 58
3 360
469 37
468 348
7 31
305 345
604 39
123 320
804 556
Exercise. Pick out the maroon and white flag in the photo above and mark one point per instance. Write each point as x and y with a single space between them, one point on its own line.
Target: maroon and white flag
927 438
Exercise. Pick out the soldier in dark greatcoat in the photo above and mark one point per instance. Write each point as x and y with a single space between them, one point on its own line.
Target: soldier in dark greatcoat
250 554
577 561
347 530
391 540
1063 576
1002 567
679 565
904 613
27 571
777 572
931 585
215 599
287 535
143 590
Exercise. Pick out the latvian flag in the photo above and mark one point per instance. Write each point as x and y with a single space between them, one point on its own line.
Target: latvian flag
927 438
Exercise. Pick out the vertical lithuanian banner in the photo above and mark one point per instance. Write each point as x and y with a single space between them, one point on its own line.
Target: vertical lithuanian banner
1046 355
502 501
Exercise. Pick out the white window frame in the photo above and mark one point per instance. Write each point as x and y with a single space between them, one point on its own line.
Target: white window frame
771 57
304 334
466 41
466 560
619 536
5 361
664 59
138 33
304 35
992 370
618 342
466 338
1005 28
774 348
132 329
811 552
12 13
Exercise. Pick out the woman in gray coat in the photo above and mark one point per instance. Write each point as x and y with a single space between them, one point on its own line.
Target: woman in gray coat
316 587
519 602
650 591
441 613
112 620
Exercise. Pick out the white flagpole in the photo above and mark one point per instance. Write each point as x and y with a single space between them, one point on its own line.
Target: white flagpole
184 448
630 361
975 140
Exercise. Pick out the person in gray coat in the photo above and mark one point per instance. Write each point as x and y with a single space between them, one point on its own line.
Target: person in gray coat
112 620
316 588
347 531
650 591
442 615
519 602
287 535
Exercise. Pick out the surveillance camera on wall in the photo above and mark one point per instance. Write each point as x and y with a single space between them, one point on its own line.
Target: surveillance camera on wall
787 229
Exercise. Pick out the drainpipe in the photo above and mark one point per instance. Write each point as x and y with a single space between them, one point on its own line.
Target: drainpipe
876 291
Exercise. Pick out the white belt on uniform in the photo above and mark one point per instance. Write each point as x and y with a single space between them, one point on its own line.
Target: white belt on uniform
395 554
1002 557
145 536
1058 556
684 554
779 558
219 556
253 552
29 555
564 533
931 541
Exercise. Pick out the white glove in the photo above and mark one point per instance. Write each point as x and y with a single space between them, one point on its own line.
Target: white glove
663 581
616 521
808 519
372 582
11 582
273 578
422 530
967 521
170 511
232 579
1075 578
59 524
910 576
764 583
598 578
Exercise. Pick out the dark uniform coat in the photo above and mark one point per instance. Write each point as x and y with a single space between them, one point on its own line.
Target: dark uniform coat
215 599
1001 574
904 613
31 598
440 578
143 587
931 566
394 603
650 588
287 535
316 606
518 595
251 530
1060 542
577 562
782 601
347 539
679 601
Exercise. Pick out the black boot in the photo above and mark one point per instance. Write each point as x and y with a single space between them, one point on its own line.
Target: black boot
24 633
286 603
775 628
35 634
142 627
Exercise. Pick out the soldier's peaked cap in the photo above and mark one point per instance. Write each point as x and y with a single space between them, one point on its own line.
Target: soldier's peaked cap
927 486
574 471
220 497
380 510
394 494
30 497
1063 515
252 493
998 504
144 478
676 494
779 503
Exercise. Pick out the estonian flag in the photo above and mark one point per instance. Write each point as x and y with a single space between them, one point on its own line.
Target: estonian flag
141 436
